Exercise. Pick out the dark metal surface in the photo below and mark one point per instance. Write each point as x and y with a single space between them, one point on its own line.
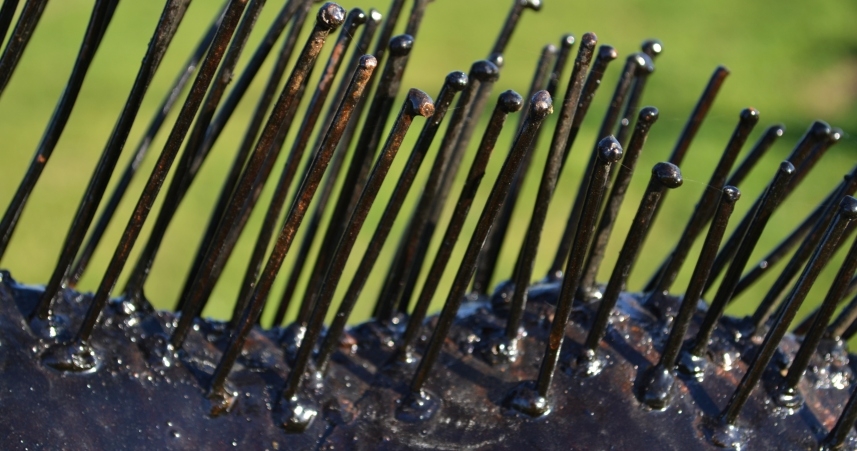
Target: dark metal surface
564 363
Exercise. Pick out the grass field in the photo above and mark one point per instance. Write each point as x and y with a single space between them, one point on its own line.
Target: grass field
795 61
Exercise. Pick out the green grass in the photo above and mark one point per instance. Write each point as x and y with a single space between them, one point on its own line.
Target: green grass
794 61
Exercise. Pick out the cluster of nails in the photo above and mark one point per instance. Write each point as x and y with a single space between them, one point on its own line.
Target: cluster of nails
203 115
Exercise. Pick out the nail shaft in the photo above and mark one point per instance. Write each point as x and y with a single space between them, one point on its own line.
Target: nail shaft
355 18
770 201
633 64
311 229
609 152
664 176
652 48
834 295
357 173
655 392
540 108
801 255
823 212
518 7
417 103
455 82
102 12
847 213
257 121
491 251
27 21
167 27
425 217
547 186
173 94
159 173
307 190
184 176
606 54
815 141
330 16
705 207
648 116
508 102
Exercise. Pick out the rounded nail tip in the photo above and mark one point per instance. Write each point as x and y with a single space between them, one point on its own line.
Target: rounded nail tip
819 128
457 80
535 5
731 194
420 103
484 70
401 45
368 62
607 52
510 101
749 115
567 40
645 65
331 15
668 174
787 168
835 135
541 104
375 15
648 115
358 16
588 40
778 129
722 71
848 208
652 47
609 150
649 67
550 49
497 59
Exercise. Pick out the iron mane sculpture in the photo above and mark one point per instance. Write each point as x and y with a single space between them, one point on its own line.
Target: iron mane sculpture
560 363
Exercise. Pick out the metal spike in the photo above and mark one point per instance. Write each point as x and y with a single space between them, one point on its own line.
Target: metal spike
704 211
246 147
531 398
77 355
455 82
491 251
652 48
788 394
206 130
664 176
419 403
102 12
110 156
311 229
770 201
362 74
822 215
358 170
657 383
27 21
648 116
527 254
508 102
847 213
426 214
814 142
173 94
329 17
417 103
355 18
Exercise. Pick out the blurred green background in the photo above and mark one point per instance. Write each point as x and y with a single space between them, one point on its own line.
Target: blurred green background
795 61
